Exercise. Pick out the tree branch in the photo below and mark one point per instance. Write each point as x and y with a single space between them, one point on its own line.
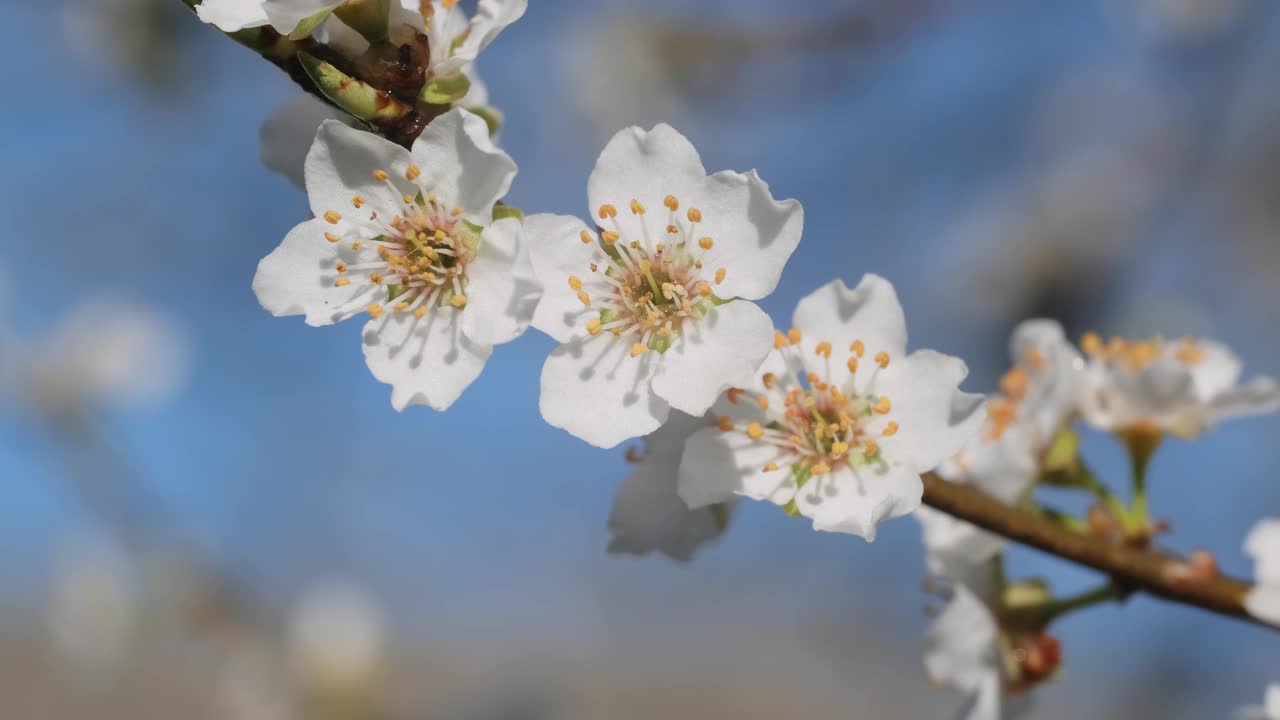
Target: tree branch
1154 572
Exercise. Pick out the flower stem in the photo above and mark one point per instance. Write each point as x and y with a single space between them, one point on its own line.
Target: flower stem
1090 482
1142 445
1064 606
1063 519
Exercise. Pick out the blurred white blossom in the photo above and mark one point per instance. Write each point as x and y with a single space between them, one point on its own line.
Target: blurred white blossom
337 637
1263 545
93 609
1269 710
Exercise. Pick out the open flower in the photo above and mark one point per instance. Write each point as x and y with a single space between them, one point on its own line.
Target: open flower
653 310
408 238
1037 397
966 649
1181 387
839 422
648 514
1269 710
1263 545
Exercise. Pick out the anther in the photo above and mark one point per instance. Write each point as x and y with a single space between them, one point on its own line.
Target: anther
575 282
732 394
608 211
820 469
882 359
333 217
779 340
331 237
793 336
1091 343
770 467
705 243
357 201
763 402
609 237
671 202
375 310
459 301
694 215
725 423
857 348
342 282
584 298
412 172
852 364
823 349
593 326
636 207
421 312
754 431
585 237
380 175
883 406
890 430
720 273
769 378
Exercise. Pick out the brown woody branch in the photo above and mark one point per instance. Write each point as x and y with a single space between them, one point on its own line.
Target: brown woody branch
1154 572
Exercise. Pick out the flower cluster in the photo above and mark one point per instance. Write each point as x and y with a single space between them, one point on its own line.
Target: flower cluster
652 300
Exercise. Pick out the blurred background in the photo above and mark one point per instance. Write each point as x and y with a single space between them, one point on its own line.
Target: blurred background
207 512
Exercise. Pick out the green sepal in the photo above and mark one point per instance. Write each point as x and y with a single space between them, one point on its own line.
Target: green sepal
491 116
721 513
395 291
266 42
356 97
1064 452
311 23
791 508
502 212
370 18
445 90
801 475
660 344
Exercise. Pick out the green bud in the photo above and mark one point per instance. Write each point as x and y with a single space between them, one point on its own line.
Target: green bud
354 96
446 90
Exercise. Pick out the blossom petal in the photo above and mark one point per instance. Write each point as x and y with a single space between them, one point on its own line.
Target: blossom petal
557 252
1056 370
1263 545
1256 397
648 166
648 514
298 277
232 15
1216 371
426 361
285 15
341 166
869 313
958 550
716 465
722 350
960 646
594 390
461 164
286 136
491 18
754 234
935 419
854 501
501 291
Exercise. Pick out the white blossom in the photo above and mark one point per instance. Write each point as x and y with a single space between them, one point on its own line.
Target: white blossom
1181 387
966 649
408 237
654 310
648 514
1037 398
1263 545
840 421
1269 710
337 637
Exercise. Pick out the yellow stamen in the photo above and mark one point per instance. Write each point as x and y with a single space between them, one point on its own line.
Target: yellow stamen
459 301
725 423
421 312
584 298
636 207
754 431
331 237
793 336
342 282
609 237
694 215
671 202
769 378
586 237
839 448
852 364
593 326
333 217
820 469
770 467
883 406
720 273
412 172
890 430
882 359
380 175
375 310
575 282
608 211
706 243
857 348
638 349
823 349
1091 343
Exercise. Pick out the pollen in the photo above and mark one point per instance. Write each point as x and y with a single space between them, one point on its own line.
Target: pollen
608 211
857 348
882 359
593 326
375 278
575 282
725 423
883 406
769 378
823 349
402 306
331 237
342 282
421 312
754 431
609 237
694 215
333 217
459 301
870 448
820 469
779 340
852 364
1091 343
375 310
706 243
636 207
671 202
585 237
720 273
839 448
357 201
732 394
890 430
412 172
380 175
770 467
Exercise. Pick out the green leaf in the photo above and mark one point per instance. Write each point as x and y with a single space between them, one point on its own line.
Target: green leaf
501 212
370 18
446 90
354 96
310 24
